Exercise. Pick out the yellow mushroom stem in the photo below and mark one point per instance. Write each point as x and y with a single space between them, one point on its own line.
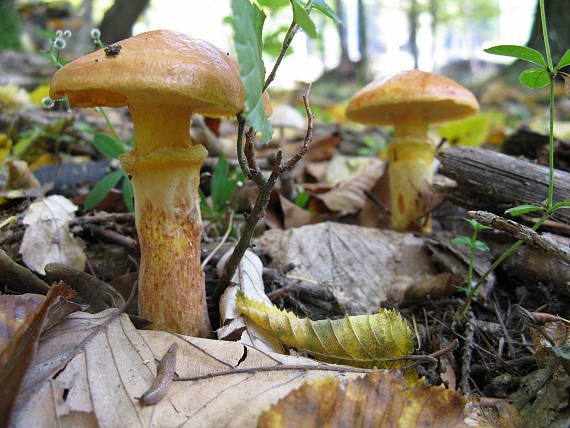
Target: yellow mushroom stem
165 170
411 156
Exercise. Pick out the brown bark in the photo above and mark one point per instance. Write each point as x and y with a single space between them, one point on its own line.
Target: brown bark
491 181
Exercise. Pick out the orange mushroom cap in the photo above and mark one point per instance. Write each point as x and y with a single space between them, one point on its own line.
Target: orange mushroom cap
156 67
389 99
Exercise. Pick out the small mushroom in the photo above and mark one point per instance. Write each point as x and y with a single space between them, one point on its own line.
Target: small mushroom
163 77
410 100
285 116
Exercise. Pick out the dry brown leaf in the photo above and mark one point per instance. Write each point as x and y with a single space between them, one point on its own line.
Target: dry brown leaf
89 369
17 353
492 413
373 215
295 216
13 313
249 279
378 399
47 238
349 196
361 267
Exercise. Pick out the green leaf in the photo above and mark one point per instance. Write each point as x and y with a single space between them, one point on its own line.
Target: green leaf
302 199
461 240
475 224
204 207
324 8
303 20
561 205
273 5
564 61
481 246
222 188
521 52
108 146
248 24
523 209
535 78
102 189
128 192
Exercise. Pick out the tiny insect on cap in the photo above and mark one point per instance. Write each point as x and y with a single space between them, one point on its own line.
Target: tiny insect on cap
156 67
432 97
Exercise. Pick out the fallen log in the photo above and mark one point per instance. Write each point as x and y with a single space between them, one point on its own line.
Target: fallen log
491 181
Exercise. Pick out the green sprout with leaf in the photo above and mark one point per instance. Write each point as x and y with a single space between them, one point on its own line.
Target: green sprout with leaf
220 204
474 245
109 146
534 78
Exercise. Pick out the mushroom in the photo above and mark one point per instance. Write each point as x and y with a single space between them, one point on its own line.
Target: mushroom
410 100
163 77
285 116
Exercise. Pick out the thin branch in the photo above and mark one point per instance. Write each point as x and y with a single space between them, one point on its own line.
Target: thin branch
222 242
526 234
240 146
265 186
256 175
293 28
321 367
308 136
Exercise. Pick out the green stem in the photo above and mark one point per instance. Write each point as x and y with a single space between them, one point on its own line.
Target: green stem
108 122
545 34
496 264
550 197
471 262
549 200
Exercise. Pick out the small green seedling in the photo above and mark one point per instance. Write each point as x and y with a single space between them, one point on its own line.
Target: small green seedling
109 146
474 245
372 146
223 185
534 78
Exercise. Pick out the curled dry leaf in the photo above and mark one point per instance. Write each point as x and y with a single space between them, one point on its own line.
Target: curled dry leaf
360 340
249 279
47 238
17 353
378 399
349 196
89 369
14 311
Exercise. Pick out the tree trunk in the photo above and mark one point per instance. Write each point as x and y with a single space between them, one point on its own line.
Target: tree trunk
117 24
413 22
342 33
362 65
557 20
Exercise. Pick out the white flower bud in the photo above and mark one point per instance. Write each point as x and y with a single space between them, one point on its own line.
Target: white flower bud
67 34
47 102
95 33
59 43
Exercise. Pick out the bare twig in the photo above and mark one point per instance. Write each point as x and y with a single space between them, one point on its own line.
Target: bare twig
526 234
265 185
240 143
308 136
224 239
322 367
466 365
293 28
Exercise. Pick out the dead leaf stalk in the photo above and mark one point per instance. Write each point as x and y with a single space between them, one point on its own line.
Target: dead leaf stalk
320 367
